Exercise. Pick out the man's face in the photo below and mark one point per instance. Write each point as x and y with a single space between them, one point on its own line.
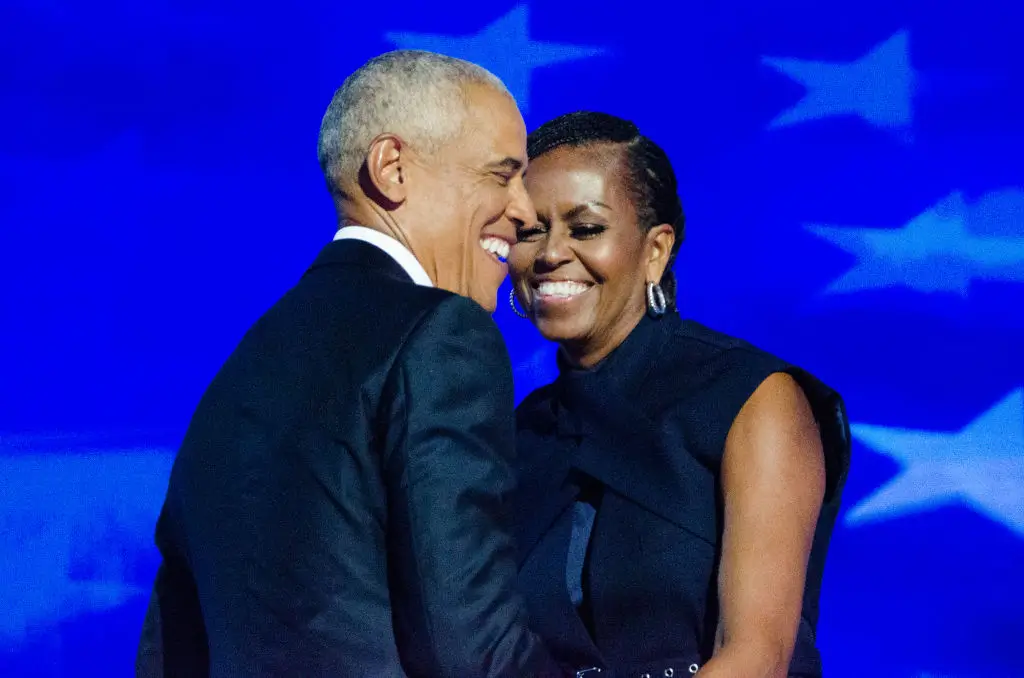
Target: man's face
468 199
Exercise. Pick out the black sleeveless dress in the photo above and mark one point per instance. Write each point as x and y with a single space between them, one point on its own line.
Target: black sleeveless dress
619 506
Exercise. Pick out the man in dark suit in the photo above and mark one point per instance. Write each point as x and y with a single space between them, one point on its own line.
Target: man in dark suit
338 504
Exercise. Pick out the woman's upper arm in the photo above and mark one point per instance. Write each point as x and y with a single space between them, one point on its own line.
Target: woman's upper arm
773 482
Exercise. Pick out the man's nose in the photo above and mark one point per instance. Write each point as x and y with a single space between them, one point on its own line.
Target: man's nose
520 207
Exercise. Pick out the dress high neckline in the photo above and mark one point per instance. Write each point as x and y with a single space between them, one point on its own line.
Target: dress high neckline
625 368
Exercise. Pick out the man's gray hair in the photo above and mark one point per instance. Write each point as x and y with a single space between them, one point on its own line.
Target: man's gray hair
417 95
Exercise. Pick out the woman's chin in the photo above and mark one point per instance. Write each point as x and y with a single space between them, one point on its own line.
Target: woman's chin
559 331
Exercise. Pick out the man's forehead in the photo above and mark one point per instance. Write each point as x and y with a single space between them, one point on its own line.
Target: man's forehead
500 148
495 109
496 130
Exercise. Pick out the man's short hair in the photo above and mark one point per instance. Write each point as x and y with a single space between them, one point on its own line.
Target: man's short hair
417 95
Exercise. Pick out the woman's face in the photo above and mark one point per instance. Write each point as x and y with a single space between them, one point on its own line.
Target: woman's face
581 271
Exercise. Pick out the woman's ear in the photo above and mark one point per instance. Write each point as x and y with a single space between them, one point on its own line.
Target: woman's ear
660 240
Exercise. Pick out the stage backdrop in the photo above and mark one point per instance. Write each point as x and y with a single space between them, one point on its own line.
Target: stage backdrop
852 172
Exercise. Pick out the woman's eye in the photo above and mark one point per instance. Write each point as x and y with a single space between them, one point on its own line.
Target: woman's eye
584 231
524 234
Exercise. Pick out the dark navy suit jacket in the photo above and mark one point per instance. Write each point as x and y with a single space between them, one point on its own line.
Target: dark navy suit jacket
339 504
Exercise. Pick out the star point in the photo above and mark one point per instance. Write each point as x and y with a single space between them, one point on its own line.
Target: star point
933 252
503 47
879 87
979 466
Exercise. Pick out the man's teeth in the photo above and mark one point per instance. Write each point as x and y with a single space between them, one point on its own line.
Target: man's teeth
497 247
562 288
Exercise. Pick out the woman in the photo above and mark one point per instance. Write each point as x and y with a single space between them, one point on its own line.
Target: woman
678 486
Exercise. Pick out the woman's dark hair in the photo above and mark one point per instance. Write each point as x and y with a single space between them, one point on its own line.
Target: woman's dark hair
651 180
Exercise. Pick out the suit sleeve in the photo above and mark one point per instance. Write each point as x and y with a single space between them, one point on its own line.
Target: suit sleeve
448 446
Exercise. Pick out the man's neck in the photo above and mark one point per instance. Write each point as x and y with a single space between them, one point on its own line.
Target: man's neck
402 255
374 218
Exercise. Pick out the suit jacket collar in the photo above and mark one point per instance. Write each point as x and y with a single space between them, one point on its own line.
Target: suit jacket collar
396 250
359 254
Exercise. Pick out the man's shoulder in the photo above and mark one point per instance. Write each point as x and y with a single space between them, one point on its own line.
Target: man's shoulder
443 310
348 314
365 295
458 328
455 348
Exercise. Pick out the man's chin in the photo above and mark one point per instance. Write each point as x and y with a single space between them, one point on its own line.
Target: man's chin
488 302
486 298
485 293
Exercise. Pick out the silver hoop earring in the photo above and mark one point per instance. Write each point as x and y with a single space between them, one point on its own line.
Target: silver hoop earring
512 303
656 303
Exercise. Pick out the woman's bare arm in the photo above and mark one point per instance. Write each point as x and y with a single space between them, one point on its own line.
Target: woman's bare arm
773 482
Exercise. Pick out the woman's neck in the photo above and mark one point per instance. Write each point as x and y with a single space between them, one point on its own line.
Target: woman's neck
589 353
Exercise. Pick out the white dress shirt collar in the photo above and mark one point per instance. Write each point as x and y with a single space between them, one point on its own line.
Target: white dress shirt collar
391 247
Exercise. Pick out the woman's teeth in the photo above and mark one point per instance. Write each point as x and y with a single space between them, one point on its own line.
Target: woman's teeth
562 289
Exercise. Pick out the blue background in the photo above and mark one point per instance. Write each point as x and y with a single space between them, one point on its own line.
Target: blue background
853 178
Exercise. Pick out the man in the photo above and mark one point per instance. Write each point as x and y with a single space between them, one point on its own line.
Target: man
338 504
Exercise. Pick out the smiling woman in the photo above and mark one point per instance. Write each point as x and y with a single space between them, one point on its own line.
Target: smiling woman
678 487
583 268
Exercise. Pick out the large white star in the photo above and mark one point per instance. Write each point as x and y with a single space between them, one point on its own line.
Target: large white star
503 47
981 466
933 252
879 87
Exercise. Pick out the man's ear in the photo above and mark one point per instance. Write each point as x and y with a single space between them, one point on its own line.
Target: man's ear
385 168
